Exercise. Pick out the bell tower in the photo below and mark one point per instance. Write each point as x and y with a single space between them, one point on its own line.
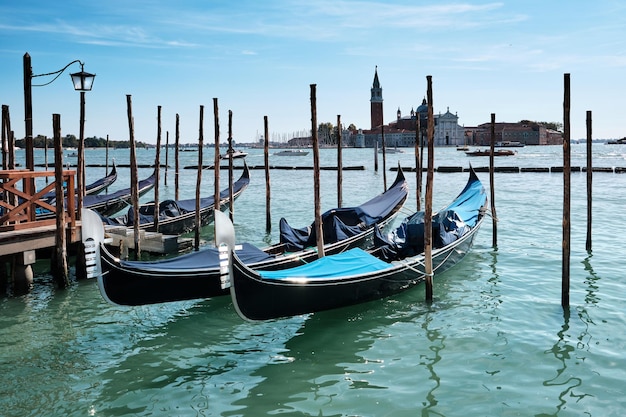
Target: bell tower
376 102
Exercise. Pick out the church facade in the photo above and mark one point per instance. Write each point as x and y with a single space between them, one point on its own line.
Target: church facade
403 132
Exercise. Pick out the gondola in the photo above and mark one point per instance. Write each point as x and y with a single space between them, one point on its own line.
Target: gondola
356 276
177 217
98 186
110 204
95 187
197 275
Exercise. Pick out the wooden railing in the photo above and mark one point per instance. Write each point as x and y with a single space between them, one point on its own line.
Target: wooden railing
22 207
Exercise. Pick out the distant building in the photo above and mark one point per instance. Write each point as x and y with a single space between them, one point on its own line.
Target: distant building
526 132
402 132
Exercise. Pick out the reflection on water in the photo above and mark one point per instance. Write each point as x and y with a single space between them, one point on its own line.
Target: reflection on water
569 350
564 352
429 361
494 342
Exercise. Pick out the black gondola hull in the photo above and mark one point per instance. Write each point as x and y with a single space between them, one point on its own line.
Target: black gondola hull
142 283
257 298
131 287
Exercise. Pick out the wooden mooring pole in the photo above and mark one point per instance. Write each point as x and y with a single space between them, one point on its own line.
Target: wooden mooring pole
266 159
231 200
134 184
418 165
589 181
494 217
376 156
339 164
176 157
216 156
106 159
157 169
6 128
382 134
196 241
59 267
428 211
316 175
167 154
565 279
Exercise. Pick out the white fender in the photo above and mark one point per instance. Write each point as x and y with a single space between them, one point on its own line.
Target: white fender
225 242
92 235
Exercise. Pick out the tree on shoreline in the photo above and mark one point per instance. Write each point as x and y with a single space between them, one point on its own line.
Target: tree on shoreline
71 141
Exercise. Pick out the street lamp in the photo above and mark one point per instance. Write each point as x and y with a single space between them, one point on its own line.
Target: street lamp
83 81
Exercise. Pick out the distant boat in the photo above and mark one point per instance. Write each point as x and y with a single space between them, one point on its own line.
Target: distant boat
621 141
487 152
509 144
391 150
462 148
233 155
292 152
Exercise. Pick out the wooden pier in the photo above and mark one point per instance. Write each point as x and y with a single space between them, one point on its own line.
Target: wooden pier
29 222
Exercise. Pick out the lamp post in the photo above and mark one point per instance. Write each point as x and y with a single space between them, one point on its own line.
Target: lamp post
83 81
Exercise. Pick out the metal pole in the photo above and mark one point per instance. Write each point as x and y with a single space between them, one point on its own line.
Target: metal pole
80 173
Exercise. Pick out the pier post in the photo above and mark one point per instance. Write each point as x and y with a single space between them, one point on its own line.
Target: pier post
418 166
494 217
157 169
428 210
316 175
216 155
266 158
565 279
339 164
134 184
22 272
198 221
59 266
176 155
589 181
167 148
382 134
231 199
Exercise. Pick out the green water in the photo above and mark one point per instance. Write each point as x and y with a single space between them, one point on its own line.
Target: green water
495 342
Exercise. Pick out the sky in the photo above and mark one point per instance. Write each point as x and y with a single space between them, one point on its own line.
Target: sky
260 58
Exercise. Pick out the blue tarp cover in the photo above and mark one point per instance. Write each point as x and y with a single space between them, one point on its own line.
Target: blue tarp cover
352 262
341 223
448 225
203 259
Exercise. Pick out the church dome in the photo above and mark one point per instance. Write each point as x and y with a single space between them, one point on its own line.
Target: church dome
423 108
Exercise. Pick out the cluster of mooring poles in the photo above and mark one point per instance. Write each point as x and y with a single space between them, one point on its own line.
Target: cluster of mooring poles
419 151
59 266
